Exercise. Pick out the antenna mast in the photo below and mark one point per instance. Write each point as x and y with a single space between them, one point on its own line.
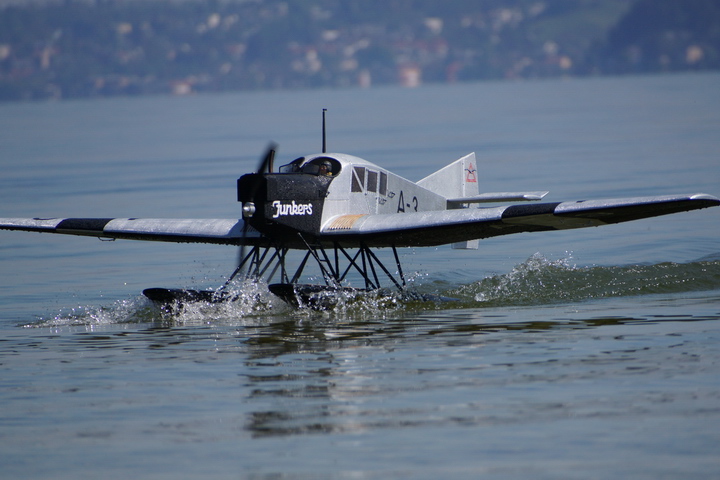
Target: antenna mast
324 145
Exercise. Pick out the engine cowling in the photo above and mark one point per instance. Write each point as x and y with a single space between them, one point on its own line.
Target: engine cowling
283 201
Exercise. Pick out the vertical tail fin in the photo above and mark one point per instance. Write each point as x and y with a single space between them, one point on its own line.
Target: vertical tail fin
457 180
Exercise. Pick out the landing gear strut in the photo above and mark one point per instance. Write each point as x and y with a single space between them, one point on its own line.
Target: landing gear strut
335 266
336 263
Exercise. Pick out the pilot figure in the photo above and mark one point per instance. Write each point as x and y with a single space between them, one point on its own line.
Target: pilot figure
325 168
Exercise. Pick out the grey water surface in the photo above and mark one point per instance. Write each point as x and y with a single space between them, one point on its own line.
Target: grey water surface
590 353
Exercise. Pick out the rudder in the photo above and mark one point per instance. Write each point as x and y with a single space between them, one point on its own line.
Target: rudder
457 180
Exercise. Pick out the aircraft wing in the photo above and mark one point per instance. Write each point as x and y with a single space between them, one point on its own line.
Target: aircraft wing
450 226
217 231
401 229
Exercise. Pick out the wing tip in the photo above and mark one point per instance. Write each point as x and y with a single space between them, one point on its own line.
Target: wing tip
705 197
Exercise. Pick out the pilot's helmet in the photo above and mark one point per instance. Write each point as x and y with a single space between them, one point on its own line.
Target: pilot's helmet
327 164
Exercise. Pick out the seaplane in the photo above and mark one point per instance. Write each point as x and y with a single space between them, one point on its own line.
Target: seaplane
338 210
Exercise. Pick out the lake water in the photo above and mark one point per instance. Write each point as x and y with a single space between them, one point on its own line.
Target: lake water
590 353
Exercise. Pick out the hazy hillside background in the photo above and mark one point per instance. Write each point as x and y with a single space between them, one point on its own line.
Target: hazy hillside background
73 49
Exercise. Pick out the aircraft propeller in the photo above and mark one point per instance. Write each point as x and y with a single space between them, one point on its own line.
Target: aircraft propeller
266 166
248 207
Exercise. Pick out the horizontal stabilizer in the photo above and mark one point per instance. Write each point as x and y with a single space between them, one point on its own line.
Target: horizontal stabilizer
497 197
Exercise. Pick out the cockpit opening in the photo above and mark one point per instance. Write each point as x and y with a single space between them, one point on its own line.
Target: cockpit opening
321 166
